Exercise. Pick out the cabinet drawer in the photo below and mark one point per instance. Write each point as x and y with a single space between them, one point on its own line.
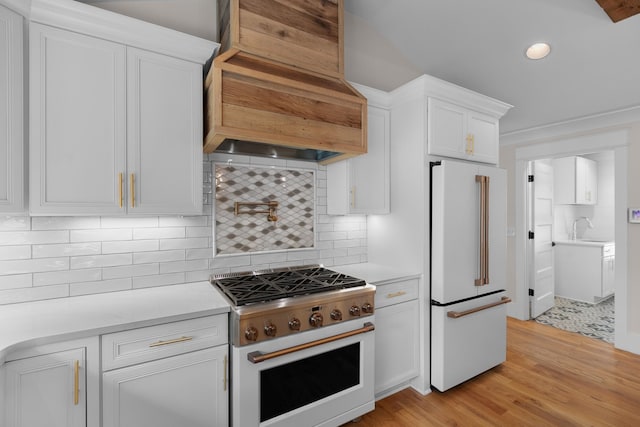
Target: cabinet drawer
396 292
155 342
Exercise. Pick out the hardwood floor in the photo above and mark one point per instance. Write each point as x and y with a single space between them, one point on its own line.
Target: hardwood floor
551 378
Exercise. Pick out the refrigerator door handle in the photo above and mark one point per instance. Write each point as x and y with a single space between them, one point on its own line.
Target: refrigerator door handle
484 230
458 314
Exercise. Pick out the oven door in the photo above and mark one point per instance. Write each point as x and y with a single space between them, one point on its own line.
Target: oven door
322 377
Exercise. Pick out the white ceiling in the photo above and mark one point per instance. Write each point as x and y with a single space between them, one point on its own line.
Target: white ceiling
594 65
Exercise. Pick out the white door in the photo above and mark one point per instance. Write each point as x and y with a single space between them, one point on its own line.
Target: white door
185 390
46 391
541 224
77 123
164 145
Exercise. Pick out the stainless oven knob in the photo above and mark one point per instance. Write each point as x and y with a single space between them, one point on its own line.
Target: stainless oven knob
354 310
336 314
270 329
315 320
294 324
367 308
251 333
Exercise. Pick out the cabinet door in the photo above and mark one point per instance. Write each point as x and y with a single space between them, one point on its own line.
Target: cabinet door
164 144
397 345
47 391
446 129
608 275
484 133
77 126
11 112
185 390
586 181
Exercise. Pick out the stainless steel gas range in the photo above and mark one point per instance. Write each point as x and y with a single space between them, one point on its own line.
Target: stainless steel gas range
302 346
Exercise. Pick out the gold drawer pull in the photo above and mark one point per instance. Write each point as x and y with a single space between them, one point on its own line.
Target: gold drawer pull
396 294
76 382
167 342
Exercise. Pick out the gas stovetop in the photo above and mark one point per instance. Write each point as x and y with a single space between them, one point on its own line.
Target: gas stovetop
269 285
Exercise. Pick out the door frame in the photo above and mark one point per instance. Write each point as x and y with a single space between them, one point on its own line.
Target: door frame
616 140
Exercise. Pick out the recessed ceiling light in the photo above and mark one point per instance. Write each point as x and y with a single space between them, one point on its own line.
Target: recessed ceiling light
538 51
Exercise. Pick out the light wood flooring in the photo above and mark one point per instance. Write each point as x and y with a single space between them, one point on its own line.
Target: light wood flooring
551 378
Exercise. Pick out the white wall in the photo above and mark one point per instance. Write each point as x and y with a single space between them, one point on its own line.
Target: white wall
57 257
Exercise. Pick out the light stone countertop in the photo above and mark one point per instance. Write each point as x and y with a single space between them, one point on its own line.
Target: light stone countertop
579 242
41 322
376 274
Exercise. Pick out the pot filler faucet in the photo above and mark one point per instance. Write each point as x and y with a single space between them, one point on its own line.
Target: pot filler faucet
589 224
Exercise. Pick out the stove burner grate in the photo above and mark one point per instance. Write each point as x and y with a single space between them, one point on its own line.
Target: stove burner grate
268 285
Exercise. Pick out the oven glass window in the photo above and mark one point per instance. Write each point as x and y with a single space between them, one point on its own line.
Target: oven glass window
287 387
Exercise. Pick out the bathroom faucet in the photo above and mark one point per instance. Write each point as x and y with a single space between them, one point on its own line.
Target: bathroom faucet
589 224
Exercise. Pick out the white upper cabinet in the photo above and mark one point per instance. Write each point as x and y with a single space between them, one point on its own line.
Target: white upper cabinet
575 181
462 133
116 116
78 123
12 112
164 144
360 185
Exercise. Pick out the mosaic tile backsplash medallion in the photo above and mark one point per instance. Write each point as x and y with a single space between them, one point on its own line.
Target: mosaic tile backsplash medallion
292 189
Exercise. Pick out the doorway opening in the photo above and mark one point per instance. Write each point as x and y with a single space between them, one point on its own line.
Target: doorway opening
536 269
571 215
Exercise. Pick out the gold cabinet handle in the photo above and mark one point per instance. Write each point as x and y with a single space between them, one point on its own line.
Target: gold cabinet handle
132 190
76 382
120 188
353 197
396 294
224 380
167 342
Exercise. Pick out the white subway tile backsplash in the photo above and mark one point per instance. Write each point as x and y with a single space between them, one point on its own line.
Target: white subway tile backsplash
130 246
183 221
14 223
64 223
67 276
34 265
101 261
192 243
56 257
33 237
159 233
15 252
66 249
177 266
33 294
15 281
159 256
130 271
112 234
128 222
100 287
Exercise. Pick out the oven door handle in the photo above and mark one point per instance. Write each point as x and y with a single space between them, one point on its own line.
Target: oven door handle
258 356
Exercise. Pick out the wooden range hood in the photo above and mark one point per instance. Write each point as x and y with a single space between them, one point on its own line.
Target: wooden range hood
263 98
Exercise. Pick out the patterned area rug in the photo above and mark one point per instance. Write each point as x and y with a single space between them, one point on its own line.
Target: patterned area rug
592 320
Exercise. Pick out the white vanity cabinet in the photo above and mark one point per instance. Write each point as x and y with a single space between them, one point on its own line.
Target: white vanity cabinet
116 118
397 334
585 271
167 375
462 133
53 385
360 185
12 112
575 181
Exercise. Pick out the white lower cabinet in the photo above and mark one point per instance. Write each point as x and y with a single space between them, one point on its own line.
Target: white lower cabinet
167 375
56 389
584 272
397 335
184 390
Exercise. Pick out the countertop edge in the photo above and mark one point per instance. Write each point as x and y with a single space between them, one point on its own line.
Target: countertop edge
377 274
26 334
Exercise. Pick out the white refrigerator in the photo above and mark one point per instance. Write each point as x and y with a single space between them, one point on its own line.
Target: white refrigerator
468 249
